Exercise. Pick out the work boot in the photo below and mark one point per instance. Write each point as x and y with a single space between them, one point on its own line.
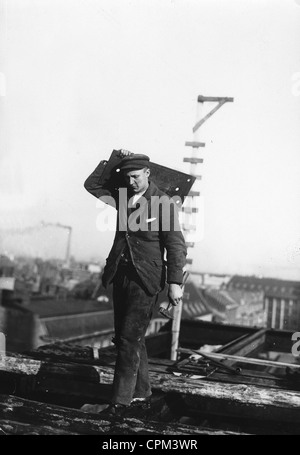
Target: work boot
94 408
114 409
141 403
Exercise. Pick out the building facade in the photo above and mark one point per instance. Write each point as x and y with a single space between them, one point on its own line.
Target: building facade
281 299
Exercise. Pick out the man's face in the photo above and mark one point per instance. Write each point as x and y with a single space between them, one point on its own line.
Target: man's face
137 181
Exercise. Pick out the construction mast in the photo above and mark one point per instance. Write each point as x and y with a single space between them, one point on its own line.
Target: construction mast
193 208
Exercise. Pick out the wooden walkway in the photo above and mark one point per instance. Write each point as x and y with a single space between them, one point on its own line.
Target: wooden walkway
43 391
21 416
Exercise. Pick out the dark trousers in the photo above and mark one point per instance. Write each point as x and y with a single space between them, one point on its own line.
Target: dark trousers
133 307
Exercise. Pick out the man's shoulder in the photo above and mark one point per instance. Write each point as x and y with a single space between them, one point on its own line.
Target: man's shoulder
154 190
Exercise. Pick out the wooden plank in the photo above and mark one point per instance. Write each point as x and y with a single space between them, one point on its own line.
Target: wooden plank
193 160
207 116
204 119
202 98
232 343
246 360
62 382
107 355
194 193
79 389
169 366
195 144
157 345
75 421
247 377
9 427
250 401
245 346
72 353
165 366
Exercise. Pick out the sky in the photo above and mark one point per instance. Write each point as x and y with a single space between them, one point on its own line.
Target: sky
79 78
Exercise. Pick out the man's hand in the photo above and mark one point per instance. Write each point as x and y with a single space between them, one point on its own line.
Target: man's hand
175 293
123 153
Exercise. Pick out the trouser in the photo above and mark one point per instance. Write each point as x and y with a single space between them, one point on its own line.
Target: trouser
133 307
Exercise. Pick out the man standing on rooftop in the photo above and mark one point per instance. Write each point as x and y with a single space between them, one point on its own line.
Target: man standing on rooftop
144 257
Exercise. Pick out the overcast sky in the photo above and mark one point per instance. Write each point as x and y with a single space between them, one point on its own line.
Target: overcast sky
79 78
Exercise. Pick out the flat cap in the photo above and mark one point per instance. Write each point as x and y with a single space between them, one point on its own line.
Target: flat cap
135 161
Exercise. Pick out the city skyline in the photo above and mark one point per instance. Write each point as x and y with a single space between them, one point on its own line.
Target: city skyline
84 78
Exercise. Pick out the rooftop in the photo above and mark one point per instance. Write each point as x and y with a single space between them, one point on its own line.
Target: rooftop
51 307
247 382
271 287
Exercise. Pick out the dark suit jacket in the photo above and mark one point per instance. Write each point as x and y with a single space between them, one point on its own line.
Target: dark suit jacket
151 247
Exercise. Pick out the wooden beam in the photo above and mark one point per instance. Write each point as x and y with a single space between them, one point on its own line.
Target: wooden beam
73 421
207 116
10 427
165 365
157 345
246 360
245 346
219 100
248 377
194 193
232 343
72 385
107 356
222 397
202 99
195 144
193 333
193 160
248 401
